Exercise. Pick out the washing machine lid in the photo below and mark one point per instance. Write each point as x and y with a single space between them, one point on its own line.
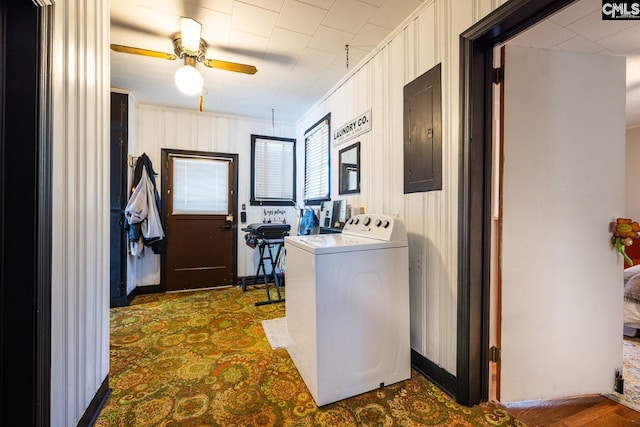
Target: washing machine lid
320 244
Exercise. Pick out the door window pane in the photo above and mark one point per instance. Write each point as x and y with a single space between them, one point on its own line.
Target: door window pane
200 186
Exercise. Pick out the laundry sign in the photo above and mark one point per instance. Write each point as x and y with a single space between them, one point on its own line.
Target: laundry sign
355 127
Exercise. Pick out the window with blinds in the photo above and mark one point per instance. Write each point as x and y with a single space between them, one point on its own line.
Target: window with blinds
200 186
316 161
273 170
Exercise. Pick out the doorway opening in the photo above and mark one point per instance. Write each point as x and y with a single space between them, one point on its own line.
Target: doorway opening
474 246
490 210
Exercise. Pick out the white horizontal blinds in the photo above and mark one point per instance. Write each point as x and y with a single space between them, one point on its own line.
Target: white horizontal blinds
273 162
316 169
200 186
352 180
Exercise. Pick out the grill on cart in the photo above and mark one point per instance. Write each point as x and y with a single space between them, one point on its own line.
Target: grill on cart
268 239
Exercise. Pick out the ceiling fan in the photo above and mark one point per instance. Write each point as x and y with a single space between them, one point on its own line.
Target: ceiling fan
190 47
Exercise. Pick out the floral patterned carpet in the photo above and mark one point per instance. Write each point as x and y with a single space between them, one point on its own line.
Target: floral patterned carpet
202 359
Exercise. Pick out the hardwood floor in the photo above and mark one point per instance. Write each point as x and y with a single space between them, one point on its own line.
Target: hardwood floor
592 410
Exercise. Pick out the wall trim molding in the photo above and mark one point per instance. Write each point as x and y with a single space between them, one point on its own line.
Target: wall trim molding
44 213
97 403
143 290
439 376
25 242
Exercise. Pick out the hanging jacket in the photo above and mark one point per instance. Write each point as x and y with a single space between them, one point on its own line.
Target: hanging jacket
142 213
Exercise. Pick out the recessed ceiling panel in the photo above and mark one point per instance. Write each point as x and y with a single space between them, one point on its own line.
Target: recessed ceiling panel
576 11
545 35
252 19
330 40
594 28
369 37
217 25
274 5
287 42
245 46
171 7
300 17
224 6
324 4
391 14
624 41
316 59
349 15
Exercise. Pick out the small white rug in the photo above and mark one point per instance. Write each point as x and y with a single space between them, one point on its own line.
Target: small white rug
276 332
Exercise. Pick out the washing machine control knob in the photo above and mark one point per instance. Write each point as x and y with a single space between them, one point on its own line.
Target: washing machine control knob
350 221
386 223
378 222
366 221
356 221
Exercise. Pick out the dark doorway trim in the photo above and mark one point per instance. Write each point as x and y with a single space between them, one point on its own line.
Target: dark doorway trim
166 152
45 213
118 193
25 233
475 165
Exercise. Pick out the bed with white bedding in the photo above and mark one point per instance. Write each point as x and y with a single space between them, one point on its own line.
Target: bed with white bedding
632 298
632 314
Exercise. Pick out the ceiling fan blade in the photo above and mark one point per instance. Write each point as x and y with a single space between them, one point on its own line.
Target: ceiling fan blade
143 52
125 24
230 66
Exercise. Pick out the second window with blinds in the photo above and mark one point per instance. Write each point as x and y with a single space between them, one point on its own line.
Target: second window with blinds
273 171
316 158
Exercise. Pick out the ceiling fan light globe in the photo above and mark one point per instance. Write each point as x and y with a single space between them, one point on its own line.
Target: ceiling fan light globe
188 80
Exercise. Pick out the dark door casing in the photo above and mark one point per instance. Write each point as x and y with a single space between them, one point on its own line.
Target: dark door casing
474 213
118 198
25 213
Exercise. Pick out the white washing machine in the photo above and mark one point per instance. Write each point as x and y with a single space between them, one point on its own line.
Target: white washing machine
347 307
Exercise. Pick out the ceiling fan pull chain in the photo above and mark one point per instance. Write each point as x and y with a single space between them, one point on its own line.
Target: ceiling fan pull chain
346 48
200 102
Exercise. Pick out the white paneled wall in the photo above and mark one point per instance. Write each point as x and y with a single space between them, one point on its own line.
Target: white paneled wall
159 128
80 270
428 37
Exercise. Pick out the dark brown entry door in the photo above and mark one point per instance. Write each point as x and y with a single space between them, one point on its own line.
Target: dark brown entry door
200 249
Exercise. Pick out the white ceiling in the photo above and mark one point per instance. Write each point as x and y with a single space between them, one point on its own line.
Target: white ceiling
580 28
298 47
